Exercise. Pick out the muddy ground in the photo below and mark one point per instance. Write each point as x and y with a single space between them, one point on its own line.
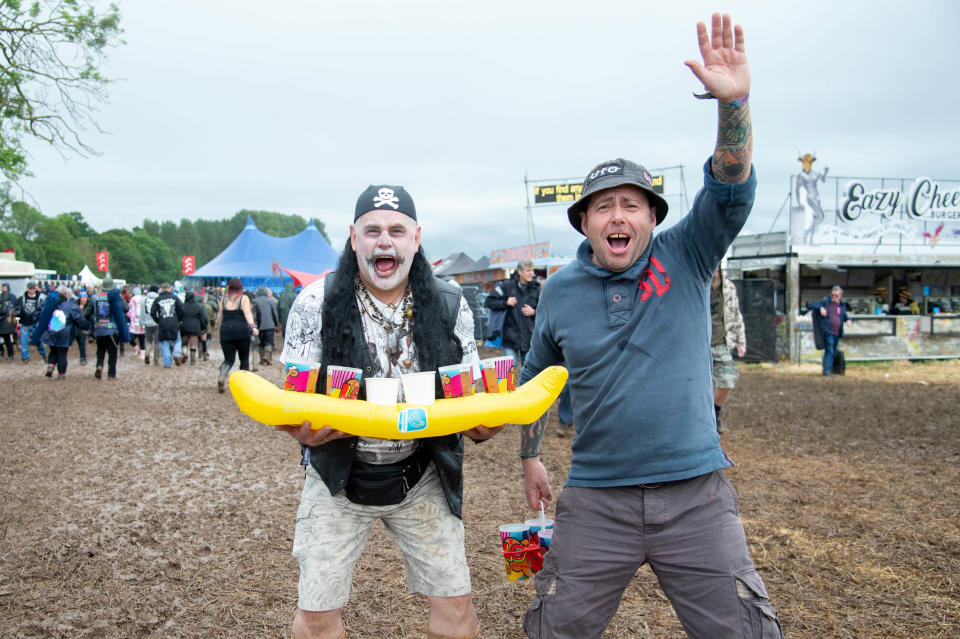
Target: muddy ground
147 506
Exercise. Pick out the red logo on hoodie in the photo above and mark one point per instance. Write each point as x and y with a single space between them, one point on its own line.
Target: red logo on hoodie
650 283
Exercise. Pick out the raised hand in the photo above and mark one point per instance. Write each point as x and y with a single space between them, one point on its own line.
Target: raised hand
724 71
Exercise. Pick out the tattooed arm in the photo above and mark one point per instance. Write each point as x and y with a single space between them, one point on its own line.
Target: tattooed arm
536 484
726 76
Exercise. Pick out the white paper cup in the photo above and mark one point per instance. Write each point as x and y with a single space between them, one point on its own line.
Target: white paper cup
534 524
419 388
382 390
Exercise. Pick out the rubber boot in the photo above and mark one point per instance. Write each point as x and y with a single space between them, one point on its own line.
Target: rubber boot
263 358
193 356
222 380
269 354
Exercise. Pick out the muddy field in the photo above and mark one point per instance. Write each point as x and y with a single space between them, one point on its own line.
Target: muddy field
149 507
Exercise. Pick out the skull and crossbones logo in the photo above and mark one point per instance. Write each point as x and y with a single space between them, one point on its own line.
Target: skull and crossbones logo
386 197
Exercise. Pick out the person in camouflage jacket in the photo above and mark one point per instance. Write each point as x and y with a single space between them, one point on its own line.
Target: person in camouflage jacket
728 334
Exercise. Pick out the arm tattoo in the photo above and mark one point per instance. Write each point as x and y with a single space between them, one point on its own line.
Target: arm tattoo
530 437
731 158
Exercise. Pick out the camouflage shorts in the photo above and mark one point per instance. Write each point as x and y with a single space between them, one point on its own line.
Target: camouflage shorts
332 531
725 373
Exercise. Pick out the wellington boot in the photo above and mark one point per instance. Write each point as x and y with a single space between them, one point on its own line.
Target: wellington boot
222 380
263 358
193 356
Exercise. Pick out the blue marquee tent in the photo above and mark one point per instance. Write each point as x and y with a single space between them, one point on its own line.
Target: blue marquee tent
257 258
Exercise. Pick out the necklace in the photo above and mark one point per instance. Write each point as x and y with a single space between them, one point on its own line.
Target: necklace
393 331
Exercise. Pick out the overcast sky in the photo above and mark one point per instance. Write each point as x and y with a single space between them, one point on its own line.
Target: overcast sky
296 106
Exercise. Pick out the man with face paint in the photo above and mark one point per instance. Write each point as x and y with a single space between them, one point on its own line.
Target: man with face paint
630 319
385 313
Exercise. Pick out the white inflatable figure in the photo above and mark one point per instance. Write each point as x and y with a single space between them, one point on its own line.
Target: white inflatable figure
808 199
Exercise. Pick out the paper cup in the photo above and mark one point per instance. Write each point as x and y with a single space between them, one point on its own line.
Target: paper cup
514 545
545 536
499 374
534 524
457 380
300 377
344 382
382 390
419 388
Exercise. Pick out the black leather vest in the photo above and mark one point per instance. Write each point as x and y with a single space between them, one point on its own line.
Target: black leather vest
333 460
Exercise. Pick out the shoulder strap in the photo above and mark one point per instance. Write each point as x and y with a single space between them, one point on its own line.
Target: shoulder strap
450 298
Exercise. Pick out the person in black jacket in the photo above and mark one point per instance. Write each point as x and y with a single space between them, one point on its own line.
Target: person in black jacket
385 313
167 311
8 324
27 309
193 325
518 296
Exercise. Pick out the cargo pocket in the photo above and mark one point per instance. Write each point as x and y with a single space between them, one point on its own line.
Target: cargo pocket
545 584
758 615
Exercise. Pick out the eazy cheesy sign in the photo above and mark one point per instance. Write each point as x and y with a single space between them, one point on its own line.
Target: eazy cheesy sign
926 200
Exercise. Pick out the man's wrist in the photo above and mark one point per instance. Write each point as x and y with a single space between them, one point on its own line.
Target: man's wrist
734 104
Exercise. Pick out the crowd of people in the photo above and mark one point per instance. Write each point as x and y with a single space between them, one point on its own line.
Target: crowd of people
162 324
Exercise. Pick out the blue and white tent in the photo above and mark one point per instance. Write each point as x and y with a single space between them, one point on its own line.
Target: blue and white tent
258 259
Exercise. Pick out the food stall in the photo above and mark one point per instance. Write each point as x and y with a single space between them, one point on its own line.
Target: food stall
894 247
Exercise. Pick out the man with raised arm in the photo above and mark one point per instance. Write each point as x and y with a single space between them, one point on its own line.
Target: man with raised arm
630 318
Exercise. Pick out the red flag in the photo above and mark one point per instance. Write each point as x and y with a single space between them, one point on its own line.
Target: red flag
103 261
188 264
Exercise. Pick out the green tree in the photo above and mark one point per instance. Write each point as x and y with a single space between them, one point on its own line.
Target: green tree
50 82
76 225
126 261
57 247
151 228
160 261
22 220
188 241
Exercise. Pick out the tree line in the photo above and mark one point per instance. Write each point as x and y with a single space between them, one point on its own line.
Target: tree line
148 253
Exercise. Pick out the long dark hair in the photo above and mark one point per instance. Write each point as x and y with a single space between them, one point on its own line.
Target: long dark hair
342 334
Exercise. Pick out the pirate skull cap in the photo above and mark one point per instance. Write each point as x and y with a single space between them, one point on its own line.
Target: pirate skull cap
609 175
385 197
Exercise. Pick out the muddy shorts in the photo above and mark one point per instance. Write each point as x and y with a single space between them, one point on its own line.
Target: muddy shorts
332 531
725 373
690 533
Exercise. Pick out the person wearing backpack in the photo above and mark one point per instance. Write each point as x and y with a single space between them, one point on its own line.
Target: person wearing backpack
193 325
105 312
58 320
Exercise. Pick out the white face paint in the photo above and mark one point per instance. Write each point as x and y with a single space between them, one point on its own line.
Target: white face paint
385 243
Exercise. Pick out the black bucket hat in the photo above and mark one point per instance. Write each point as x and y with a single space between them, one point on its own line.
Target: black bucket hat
616 173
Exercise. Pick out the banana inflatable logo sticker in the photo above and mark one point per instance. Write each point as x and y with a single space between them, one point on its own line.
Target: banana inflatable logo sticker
411 420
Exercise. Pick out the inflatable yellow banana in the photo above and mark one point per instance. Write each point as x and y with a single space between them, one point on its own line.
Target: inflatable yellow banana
270 405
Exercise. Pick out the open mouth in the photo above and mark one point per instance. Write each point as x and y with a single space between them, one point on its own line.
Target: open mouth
618 241
385 265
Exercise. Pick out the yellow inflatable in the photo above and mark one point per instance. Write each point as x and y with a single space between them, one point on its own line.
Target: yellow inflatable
270 405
